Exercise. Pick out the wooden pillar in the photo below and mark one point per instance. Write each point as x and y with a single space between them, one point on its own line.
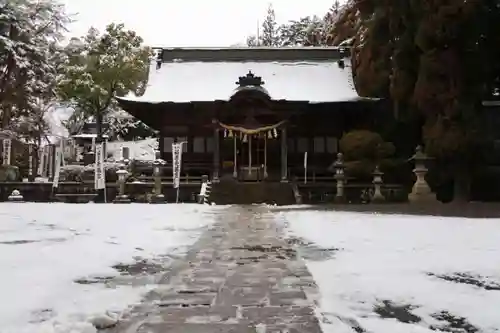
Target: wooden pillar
284 156
235 152
265 156
215 175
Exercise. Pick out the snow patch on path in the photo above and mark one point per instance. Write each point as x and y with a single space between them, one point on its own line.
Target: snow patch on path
45 248
393 266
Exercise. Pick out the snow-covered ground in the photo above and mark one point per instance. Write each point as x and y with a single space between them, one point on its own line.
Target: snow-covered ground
402 274
56 259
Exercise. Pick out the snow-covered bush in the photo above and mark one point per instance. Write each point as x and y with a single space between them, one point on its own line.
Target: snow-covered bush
79 173
9 173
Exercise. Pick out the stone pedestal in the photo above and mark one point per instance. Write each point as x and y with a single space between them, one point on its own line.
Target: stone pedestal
158 196
122 197
421 192
340 178
377 197
15 196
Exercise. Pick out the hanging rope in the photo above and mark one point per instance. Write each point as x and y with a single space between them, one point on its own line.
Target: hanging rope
251 131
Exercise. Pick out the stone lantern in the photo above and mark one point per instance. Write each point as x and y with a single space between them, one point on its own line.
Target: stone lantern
340 178
377 184
15 196
122 197
157 168
421 192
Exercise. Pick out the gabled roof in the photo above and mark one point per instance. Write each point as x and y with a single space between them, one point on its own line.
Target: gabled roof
310 74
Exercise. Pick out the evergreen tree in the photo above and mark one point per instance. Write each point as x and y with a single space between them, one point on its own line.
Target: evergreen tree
252 41
101 66
29 32
270 34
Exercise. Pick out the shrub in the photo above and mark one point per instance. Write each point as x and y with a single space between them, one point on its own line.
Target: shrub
363 144
9 173
78 173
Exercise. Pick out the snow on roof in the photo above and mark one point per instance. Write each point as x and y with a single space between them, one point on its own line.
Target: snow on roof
198 81
87 136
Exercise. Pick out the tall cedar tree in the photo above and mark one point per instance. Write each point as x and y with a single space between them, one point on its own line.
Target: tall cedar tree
435 60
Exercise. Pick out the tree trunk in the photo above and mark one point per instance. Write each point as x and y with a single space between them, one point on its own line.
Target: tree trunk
461 184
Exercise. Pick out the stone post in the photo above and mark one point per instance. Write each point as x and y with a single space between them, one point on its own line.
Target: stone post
121 197
158 197
340 178
215 175
421 192
377 184
284 156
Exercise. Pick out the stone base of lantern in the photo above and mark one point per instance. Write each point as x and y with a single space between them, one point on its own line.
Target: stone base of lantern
378 198
122 199
340 200
15 198
158 199
421 193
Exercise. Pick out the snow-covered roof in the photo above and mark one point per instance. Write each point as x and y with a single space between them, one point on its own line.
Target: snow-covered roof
315 81
87 136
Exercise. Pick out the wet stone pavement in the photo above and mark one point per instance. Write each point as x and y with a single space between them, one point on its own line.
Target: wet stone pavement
241 276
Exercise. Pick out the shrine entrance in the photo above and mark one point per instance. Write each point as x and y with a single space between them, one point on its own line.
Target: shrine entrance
253 147
255 153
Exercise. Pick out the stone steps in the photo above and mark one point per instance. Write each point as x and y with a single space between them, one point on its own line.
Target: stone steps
246 193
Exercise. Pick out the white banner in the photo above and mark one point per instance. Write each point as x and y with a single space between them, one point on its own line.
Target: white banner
176 162
41 161
57 166
7 145
99 175
30 159
50 161
62 148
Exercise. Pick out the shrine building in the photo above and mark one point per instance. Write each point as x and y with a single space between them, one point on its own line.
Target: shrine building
251 113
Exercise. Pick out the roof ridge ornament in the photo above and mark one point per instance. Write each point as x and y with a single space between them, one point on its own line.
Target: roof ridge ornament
250 80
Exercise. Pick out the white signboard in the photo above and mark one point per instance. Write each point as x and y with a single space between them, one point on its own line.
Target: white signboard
176 162
57 167
7 144
99 175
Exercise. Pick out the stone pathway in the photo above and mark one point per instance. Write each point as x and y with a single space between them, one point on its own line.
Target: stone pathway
240 277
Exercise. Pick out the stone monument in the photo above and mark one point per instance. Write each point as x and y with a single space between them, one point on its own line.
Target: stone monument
122 197
158 196
377 197
340 178
421 192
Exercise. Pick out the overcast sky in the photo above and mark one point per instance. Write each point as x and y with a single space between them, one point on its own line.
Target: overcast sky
187 22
